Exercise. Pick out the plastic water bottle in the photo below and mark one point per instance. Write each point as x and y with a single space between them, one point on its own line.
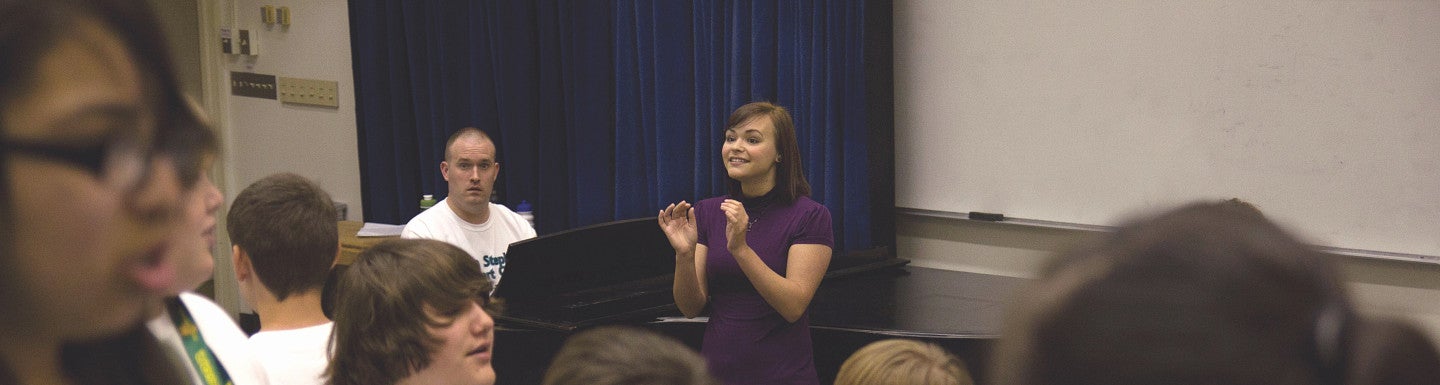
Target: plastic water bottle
526 212
427 201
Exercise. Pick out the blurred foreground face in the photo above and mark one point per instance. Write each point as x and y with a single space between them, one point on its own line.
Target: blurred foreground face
91 234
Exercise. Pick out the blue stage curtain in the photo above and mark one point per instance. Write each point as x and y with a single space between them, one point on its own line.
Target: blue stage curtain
606 110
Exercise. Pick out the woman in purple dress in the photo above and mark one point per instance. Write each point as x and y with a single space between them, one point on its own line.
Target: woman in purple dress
754 256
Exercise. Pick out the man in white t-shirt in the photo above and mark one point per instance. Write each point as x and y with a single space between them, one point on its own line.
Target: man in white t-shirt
285 242
466 218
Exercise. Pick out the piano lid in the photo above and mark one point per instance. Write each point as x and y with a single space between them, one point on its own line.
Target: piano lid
612 272
587 258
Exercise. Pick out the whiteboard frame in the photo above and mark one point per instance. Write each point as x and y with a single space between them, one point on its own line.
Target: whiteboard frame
1038 223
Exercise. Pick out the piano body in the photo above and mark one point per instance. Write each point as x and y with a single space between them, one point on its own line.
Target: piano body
621 273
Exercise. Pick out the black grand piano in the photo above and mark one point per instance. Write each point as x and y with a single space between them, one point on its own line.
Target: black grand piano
620 273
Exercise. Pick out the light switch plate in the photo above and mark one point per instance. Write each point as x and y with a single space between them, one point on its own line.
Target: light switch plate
252 85
310 92
246 44
227 42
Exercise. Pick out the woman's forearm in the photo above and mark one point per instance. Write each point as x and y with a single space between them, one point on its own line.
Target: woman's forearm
689 289
790 296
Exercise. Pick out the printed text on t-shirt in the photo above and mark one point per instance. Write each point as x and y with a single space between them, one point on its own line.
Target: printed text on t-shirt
497 262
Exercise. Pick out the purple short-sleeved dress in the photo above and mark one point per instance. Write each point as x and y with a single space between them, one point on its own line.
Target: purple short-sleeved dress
746 340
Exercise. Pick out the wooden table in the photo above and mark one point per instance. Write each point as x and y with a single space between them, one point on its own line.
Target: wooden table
351 245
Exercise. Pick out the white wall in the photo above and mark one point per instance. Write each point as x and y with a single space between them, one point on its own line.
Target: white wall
1403 289
267 137
263 136
178 18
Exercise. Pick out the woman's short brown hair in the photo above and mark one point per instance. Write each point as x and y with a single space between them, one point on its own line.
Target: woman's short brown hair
615 355
381 324
902 362
790 182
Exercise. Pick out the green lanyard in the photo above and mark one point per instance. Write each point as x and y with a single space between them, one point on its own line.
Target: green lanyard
199 354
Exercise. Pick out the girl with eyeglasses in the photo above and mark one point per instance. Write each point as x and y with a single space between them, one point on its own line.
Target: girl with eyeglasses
86 209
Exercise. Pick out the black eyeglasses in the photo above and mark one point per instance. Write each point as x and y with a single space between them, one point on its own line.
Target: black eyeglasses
118 162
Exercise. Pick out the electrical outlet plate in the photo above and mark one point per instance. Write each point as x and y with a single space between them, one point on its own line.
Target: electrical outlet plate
284 16
311 92
227 42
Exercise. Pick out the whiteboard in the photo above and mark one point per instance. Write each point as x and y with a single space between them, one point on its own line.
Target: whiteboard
1325 114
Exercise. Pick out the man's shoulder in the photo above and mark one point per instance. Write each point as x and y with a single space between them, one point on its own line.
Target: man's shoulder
512 220
426 222
439 211
499 208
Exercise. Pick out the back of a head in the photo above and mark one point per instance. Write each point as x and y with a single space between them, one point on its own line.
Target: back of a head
1391 352
286 225
1205 294
902 362
614 355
